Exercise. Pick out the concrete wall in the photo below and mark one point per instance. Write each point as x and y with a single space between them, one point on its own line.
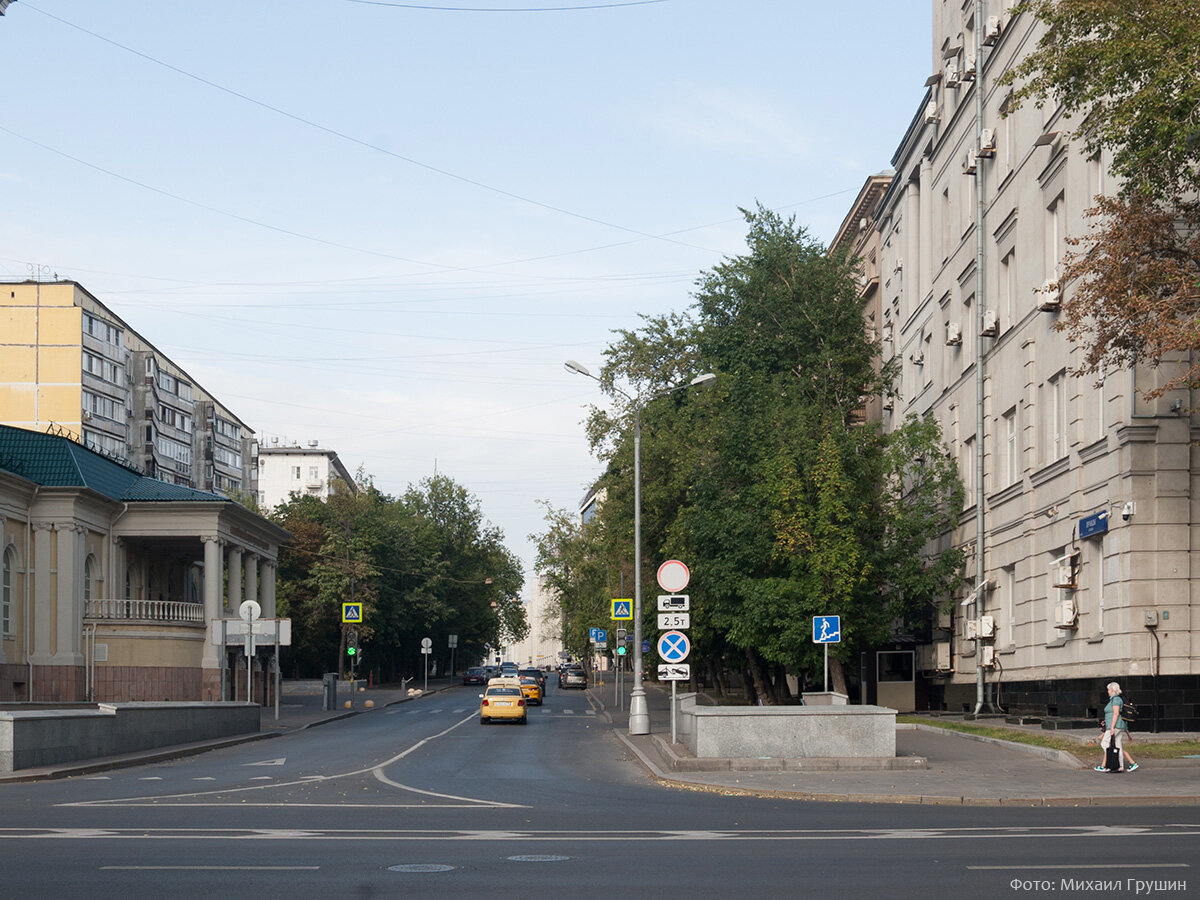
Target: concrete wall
42 737
787 732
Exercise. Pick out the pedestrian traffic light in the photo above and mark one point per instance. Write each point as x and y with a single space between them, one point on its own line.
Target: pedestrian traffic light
621 650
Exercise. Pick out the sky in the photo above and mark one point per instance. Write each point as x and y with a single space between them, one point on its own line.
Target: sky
384 226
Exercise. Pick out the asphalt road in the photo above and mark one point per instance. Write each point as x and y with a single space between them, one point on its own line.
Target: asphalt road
420 800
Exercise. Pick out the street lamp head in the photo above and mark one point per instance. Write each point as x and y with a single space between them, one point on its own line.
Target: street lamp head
701 380
577 368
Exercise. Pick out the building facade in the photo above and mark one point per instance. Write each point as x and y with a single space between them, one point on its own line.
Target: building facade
544 643
68 363
289 469
111 582
1087 494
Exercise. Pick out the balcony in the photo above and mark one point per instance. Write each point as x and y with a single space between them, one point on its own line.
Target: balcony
157 612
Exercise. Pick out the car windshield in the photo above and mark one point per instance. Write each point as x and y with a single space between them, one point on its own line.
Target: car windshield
503 692
525 679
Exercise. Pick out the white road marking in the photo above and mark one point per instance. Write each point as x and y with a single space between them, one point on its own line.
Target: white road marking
210 868
568 712
99 778
268 762
377 771
546 837
150 778
205 778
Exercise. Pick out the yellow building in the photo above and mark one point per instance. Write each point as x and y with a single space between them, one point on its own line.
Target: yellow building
68 364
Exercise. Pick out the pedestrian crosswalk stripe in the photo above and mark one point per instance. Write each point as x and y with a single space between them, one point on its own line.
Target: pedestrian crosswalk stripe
568 712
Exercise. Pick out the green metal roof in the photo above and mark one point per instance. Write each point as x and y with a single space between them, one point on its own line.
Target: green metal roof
54 461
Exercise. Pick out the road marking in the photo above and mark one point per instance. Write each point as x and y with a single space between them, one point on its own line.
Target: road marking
568 712
210 868
1084 866
205 778
150 778
99 778
551 836
377 771
268 762
590 712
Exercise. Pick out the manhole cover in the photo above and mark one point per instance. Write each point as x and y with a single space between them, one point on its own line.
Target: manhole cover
538 858
421 867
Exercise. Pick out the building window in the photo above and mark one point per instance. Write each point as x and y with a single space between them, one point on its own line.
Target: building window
1008 290
1055 417
968 472
1012 449
89 578
313 474
6 591
1055 236
295 473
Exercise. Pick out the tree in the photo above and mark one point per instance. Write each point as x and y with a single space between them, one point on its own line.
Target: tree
1126 72
783 508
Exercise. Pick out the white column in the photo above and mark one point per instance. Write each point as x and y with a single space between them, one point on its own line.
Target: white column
927 201
267 588
252 579
212 597
39 569
912 254
235 579
69 643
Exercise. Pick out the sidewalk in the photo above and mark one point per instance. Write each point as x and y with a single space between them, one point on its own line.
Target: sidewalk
960 770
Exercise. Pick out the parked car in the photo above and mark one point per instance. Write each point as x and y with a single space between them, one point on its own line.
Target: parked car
475 675
572 677
501 701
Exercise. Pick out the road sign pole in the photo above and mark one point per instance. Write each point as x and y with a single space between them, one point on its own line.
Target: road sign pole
673 683
827 668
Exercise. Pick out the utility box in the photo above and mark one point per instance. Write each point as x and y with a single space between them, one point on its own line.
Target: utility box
329 683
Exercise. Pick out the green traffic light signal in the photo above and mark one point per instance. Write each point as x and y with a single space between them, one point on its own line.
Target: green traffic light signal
621 650
351 650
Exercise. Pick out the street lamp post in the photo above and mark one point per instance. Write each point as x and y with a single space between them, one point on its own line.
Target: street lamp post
639 715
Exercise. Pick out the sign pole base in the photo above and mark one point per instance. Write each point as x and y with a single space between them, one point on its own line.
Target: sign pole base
639 714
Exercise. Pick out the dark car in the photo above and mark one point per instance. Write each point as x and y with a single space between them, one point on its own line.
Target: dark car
475 675
572 677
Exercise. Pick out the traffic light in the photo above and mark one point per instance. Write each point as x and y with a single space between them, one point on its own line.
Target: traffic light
352 644
621 650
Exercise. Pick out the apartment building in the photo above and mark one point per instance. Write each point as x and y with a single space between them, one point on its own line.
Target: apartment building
286 469
71 365
1082 497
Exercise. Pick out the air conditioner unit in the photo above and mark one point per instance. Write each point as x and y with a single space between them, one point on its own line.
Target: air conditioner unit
987 656
991 34
987 142
889 404
991 324
952 78
971 629
1065 571
953 334
1066 615
918 358
942 658
899 264
944 618
968 73
931 112
969 163
87 416
888 332
987 627
1049 296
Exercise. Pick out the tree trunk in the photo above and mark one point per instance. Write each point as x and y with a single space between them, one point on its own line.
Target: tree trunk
714 672
837 675
761 688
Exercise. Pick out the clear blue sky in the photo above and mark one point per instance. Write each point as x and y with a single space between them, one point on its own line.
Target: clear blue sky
384 225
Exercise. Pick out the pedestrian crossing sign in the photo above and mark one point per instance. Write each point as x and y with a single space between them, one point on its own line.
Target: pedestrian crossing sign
352 612
622 610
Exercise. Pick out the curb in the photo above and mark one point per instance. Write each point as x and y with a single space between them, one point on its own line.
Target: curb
1063 757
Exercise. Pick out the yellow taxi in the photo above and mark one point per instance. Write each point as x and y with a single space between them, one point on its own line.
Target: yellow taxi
531 689
502 701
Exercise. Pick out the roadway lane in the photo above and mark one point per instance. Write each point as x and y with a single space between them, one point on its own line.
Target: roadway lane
555 806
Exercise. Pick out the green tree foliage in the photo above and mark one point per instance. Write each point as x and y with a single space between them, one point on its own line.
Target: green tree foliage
422 565
1126 73
782 506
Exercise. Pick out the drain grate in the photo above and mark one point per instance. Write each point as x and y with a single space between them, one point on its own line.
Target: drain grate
421 867
538 858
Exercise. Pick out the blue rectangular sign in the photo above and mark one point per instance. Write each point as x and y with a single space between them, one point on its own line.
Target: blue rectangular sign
827 629
1094 524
